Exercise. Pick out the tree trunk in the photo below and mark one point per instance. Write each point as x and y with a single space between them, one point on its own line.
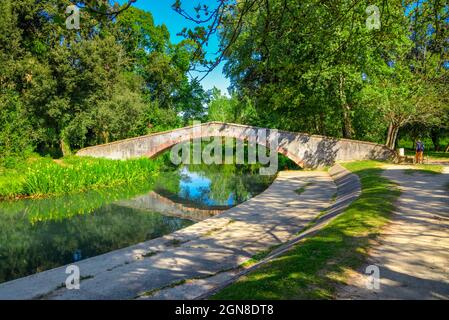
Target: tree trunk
435 136
105 135
347 125
447 148
392 135
390 129
346 109
65 147
322 124
395 137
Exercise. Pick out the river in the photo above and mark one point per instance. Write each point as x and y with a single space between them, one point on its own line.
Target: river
38 235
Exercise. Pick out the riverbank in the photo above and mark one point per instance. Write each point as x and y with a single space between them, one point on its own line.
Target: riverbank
40 234
201 250
38 177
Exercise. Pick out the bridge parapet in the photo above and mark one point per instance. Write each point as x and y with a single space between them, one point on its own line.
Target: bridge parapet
304 149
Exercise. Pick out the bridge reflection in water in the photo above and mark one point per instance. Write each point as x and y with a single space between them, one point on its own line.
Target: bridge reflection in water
155 202
41 234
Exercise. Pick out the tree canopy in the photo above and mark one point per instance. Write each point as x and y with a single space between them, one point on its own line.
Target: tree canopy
338 68
114 78
319 67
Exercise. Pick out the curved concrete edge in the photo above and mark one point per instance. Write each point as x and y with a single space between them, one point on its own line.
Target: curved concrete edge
278 228
348 190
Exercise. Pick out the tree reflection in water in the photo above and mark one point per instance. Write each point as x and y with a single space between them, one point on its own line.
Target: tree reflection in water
36 235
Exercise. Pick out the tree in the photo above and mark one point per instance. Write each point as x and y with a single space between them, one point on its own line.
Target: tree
402 100
191 100
116 77
15 137
303 77
162 65
230 109
318 68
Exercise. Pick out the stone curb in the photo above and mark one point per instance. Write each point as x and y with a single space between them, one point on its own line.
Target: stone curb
348 189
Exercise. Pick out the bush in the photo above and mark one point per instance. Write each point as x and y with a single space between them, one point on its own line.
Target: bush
15 140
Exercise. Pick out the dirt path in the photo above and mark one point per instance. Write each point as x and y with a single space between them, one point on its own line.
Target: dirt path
413 251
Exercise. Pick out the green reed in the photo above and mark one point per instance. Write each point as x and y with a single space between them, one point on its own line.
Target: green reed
45 176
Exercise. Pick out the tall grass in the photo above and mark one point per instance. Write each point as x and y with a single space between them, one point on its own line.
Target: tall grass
45 176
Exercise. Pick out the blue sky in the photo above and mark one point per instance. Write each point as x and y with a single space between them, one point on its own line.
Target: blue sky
164 14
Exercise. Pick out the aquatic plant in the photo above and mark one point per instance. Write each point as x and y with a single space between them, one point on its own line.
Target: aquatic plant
45 176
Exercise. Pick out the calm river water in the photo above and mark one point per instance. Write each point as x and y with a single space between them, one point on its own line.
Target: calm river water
37 235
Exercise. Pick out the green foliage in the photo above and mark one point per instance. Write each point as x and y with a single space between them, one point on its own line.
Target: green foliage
317 68
191 100
63 89
230 109
15 132
122 77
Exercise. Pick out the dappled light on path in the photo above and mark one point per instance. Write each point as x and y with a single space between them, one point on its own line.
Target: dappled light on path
413 251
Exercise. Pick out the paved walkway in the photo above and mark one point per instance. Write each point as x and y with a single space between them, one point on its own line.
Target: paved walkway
348 190
199 251
413 251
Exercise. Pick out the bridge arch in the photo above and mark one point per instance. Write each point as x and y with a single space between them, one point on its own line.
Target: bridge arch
161 148
306 150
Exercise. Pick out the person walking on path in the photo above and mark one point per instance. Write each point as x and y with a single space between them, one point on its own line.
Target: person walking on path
419 158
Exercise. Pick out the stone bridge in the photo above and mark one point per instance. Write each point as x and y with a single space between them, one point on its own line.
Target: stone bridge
306 150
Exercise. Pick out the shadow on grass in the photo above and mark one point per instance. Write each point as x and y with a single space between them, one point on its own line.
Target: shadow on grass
313 268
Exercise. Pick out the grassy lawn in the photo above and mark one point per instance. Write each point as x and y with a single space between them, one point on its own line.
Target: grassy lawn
38 176
409 147
433 155
426 168
313 268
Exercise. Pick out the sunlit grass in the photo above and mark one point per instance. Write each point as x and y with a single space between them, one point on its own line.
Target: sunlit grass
426 168
432 155
313 268
44 176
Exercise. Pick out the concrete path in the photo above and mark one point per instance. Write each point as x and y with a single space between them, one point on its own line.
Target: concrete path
413 251
348 190
202 250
